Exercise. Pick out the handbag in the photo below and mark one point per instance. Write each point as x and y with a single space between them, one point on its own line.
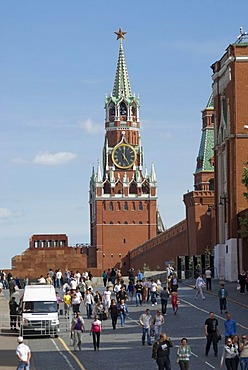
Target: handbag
238 286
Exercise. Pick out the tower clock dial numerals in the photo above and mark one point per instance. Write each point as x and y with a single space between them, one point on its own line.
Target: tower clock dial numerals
124 156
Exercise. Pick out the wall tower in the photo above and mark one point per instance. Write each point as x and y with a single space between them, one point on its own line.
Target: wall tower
123 199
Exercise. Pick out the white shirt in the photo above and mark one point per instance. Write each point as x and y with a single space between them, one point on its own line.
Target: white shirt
23 350
107 295
199 282
154 287
73 284
208 274
58 275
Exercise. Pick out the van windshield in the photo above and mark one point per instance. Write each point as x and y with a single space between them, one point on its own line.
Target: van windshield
40 307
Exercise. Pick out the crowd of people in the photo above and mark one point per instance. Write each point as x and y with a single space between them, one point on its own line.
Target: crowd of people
114 303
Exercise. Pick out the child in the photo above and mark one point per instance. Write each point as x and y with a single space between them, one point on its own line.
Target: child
174 302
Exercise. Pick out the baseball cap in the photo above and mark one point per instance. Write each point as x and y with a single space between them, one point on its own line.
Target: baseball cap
20 339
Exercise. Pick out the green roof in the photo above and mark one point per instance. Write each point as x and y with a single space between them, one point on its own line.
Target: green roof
206 151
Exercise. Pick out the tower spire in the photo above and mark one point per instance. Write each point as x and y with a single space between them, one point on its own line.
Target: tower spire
121 84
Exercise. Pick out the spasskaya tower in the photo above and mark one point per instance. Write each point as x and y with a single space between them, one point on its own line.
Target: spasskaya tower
123 199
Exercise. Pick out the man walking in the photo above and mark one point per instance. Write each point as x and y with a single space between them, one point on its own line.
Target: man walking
164 295
23 354
230 326
161 352
77 327
212 333
208 275
145 321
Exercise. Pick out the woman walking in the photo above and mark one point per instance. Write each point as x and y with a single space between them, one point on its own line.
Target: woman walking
229 353
183 354
113 310
158 321
96 328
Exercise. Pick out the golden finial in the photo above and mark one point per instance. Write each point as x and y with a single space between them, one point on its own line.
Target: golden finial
120 34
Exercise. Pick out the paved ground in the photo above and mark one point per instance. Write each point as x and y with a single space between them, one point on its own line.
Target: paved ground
122 349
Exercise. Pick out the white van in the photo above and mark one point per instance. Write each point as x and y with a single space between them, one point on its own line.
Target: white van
39 312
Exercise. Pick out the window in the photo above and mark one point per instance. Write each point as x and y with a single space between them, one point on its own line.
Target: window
123 109
111 222
125 206
111 208
140 222
140 206
125 222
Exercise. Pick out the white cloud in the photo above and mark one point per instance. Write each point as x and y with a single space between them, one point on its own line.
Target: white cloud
6 214
54 159
90 127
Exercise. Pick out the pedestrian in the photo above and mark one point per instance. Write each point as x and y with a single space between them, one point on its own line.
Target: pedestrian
198 285
130 289
23 354
164 296
242 282
113 310
143 283
122 295
161 352
157 322
235 340
77 328
107 298
67 303
154 287
228 355
89 303
13 307
174 283
148 288
11 286
104 278
212 333
183 354
174 301
123 311
99 310
222 294
96 328
230 327
243 348
145 321
138 293
208 276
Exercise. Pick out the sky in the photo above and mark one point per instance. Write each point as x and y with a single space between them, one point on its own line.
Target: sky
58 61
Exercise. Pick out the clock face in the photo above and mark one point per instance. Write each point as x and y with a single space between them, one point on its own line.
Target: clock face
124 156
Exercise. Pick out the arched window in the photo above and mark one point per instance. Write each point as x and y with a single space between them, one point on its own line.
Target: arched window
140 222
111 222
118 206
140 206
111 207
133 206
125 206
211 184
125 222
123 109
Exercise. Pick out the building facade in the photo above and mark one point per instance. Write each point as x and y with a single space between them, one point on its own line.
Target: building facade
230 90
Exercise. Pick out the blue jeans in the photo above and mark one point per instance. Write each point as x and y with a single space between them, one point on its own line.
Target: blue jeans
153 297
146 331
244 363
89 310
22 366
138 299
122 317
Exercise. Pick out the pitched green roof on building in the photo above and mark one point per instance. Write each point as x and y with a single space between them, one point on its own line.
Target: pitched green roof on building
206 151
122 85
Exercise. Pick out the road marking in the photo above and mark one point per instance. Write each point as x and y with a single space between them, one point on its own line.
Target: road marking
70 352
207 363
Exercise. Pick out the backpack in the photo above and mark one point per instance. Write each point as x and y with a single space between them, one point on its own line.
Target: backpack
155 350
